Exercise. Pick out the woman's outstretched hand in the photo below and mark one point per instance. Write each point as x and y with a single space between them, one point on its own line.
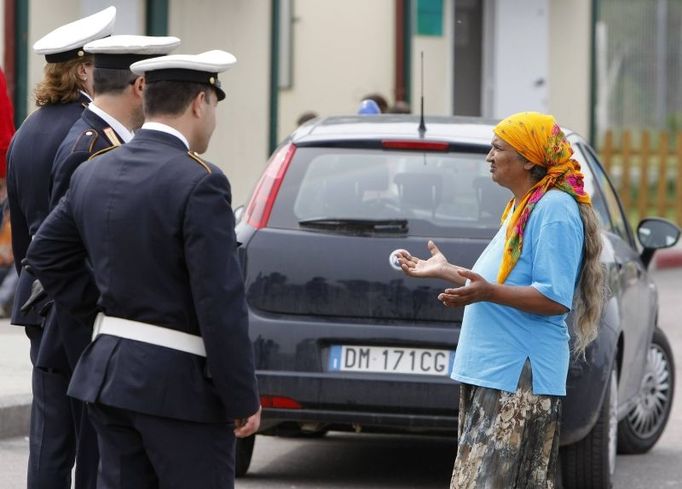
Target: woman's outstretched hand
477 290
434 267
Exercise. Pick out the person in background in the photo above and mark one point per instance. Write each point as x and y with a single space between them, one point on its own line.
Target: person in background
61 96
305 117
6 125
400 107
169 377
8 272
9 275
379 99
513 351
368 107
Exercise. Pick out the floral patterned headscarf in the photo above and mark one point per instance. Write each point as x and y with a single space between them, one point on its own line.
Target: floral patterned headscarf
540 140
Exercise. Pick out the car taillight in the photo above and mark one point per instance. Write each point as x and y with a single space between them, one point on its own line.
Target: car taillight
260 205
279 402
415 145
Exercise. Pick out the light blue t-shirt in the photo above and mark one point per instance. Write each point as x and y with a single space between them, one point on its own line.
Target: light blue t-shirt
496 340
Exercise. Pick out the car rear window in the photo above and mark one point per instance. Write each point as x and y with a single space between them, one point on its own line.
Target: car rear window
438 194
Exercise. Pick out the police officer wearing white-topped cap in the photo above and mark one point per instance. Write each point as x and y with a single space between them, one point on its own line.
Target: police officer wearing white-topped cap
60 96
169 376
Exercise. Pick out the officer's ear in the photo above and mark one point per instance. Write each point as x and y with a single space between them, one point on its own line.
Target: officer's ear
138 85
199 103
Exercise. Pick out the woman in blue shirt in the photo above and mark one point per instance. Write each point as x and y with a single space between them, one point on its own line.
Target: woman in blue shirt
513 351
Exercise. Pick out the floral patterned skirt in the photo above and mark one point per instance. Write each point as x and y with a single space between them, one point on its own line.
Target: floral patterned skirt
507 440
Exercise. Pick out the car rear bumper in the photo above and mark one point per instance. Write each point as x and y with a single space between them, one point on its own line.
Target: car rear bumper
369 402
318 419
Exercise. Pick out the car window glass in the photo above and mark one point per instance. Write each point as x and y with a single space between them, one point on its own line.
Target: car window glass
439 194
618 222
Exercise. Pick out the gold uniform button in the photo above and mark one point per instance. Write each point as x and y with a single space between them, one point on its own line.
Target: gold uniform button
211 81
81 53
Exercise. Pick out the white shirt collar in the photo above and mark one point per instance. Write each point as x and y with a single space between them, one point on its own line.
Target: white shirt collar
87 95
120 129
159 126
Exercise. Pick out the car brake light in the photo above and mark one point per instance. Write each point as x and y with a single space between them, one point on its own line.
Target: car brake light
416 145
279 402
260 205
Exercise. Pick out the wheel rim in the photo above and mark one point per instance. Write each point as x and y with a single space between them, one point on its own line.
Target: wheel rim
613 421
653 401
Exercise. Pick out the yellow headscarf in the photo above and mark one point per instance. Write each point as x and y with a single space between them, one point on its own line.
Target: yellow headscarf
539 139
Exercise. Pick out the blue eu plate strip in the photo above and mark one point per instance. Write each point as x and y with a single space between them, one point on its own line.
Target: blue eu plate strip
335 357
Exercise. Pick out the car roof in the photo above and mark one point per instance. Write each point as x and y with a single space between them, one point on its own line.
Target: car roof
467 130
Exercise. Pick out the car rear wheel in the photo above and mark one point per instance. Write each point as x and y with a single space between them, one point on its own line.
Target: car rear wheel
590 463
644 424
244 452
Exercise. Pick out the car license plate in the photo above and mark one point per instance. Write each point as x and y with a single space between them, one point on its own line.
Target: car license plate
417 361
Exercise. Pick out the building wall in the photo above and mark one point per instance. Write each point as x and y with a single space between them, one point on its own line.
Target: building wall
438 67
570 32
342 50
240 143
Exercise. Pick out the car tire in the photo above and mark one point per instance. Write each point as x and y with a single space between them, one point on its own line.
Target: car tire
646 421
243 454
590 463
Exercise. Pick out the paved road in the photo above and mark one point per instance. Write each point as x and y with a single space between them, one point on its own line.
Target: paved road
344 461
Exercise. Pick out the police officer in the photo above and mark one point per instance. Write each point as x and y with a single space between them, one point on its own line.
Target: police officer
170 375
108 121
60 96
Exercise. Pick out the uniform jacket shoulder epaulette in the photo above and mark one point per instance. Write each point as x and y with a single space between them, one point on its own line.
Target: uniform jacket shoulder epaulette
102 151
85 142
203 163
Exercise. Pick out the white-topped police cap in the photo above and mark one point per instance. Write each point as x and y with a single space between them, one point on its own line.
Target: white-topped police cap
66 42
197 68
119 52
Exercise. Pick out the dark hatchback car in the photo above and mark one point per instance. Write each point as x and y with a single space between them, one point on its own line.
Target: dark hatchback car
344 341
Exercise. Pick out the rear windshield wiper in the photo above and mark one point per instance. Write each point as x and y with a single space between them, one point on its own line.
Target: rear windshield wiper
359 226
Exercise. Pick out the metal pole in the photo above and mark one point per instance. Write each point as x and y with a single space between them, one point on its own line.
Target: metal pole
157 18
274 76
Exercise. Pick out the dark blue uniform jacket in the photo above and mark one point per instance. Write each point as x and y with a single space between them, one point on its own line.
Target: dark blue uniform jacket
62 332
156 225
29 163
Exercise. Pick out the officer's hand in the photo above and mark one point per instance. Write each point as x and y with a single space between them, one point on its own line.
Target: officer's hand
244 427
37 294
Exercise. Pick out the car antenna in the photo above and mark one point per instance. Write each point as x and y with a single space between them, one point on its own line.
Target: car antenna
422 126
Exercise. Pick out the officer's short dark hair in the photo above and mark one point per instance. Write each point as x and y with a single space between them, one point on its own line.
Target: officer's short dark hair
171 97
112 81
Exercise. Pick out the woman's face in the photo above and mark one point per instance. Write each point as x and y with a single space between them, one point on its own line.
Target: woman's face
507 168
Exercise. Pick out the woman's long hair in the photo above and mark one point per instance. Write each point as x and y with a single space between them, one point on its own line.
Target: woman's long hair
60 83
590 292
591 288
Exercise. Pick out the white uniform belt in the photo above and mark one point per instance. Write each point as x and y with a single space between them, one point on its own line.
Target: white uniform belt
148 333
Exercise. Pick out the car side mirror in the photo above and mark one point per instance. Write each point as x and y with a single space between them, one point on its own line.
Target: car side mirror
238 213
654 234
